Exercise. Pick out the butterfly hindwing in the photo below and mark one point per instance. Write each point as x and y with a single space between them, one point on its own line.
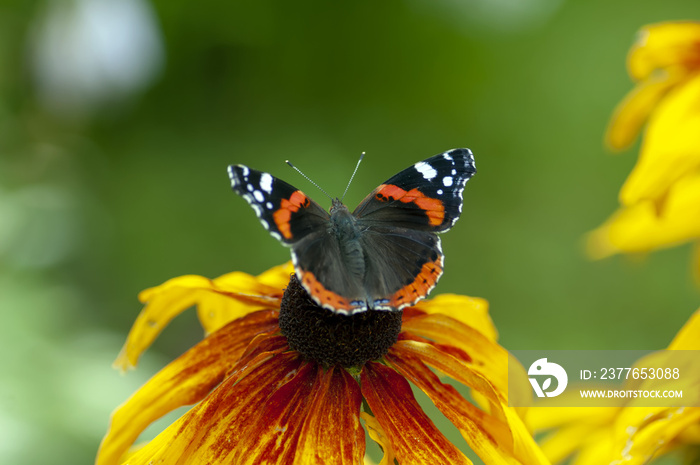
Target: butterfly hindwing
285 211
323 269
403 266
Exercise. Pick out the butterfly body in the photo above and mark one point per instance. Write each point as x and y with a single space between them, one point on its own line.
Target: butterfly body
386 254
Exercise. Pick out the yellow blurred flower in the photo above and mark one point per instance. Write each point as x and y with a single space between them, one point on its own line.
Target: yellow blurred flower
660 197
265 392
621 435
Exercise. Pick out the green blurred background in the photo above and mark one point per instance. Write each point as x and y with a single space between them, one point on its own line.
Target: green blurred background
118 119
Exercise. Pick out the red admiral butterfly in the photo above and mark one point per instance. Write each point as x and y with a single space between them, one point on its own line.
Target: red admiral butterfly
386 255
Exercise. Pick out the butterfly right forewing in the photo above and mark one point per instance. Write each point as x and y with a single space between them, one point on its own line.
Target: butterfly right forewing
425 196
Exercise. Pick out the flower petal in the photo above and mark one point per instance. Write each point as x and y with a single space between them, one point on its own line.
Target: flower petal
489 437
670 149
264 290
688 338
579 427
332 433
214 429
526 449
221 301
643 442
455 368
641 228
631 114
379 436
273 436
665 45
277 277
472 311
486 355
413 435
186 380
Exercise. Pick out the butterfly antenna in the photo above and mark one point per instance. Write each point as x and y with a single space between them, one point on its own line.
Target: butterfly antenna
353 175
308 178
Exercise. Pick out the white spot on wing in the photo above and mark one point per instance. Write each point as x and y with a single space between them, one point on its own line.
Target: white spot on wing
426 170
259 196
232 176
440 192
266 182
250 188
447 181
269 205
446 156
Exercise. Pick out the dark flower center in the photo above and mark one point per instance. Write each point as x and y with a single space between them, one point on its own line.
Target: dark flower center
333 339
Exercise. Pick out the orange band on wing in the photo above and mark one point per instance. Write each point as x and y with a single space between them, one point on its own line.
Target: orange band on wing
420 287
434 208
323 295
282 216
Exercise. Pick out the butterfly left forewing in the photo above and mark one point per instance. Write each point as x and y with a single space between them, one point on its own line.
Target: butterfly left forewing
285 211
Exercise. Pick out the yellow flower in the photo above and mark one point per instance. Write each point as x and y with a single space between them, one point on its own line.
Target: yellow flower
264 397
658 196
627 435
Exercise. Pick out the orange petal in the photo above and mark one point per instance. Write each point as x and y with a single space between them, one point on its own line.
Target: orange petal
670 149
665 45
486 356
455 368
488 437
186 380
274 434
472 311
332 433
413 435
213 431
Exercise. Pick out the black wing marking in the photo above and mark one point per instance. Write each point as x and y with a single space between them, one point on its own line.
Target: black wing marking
286 212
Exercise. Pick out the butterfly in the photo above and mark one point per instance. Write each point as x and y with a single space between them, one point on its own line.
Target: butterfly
386 254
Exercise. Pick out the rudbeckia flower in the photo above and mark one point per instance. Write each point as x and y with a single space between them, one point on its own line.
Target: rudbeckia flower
657 197
278 380
630 434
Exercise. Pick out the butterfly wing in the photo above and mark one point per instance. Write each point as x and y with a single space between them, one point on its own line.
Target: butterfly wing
403 266
400 220
426 196
285 211
323 266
